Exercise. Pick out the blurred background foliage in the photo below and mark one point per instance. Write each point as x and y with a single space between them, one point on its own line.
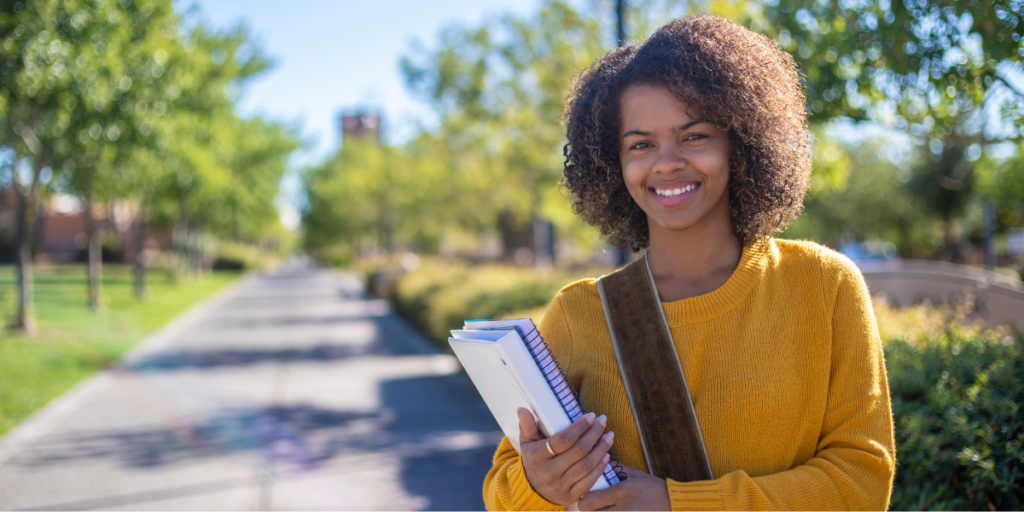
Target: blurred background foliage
123 104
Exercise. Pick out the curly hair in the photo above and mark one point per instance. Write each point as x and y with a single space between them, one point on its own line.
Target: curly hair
742 81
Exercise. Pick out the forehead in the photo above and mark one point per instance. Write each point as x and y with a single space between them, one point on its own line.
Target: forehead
646 106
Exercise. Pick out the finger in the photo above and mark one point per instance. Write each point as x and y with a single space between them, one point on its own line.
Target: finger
587 482
585 465
633 472
597 500
564 440
527 426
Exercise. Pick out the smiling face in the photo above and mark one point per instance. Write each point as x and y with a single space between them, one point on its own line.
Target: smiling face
675 164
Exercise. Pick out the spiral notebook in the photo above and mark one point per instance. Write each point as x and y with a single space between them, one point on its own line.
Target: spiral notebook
512 367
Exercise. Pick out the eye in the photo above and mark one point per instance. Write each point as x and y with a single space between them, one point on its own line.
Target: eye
696 136
641 145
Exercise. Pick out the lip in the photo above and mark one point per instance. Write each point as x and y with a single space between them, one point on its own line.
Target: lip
676 200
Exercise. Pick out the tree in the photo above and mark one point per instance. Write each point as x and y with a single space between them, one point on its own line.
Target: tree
120 49
199 141
923 62
35 76
946 72
499 92
123 104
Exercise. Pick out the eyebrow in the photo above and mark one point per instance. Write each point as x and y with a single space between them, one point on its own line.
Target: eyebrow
678 129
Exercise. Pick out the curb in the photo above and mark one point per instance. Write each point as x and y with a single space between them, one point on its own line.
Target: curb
41 422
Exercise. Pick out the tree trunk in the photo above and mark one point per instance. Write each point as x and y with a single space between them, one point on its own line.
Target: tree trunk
95 269
200 251
543 241
193 257
543 234
25 320
179 237
140 252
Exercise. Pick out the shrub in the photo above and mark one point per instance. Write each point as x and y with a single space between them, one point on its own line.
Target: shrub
337 256
242 256
438 297
956 392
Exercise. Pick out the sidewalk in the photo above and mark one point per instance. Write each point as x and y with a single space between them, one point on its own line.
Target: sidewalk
291 392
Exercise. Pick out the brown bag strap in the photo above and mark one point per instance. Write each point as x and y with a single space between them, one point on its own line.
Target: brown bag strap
653 377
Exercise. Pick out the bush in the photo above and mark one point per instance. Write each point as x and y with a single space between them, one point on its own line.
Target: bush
337 256
438 298
242 256
957 391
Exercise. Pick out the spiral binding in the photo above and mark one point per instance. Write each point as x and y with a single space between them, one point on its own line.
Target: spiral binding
567 396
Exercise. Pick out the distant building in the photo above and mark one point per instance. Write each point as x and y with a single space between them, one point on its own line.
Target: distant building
360 125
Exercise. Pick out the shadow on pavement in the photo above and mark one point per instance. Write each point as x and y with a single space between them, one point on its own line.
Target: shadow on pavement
209 359
387 341
437 426
290 434
457 437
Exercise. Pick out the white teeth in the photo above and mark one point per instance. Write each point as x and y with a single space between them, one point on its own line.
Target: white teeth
675 192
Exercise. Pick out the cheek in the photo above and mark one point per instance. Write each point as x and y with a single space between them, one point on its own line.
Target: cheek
717 164
632 175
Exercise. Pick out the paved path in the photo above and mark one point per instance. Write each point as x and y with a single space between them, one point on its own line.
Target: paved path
292 392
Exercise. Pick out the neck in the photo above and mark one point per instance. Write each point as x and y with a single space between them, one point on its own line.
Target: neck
695 261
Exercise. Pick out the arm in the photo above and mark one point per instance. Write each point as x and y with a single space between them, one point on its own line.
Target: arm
855 460
539 479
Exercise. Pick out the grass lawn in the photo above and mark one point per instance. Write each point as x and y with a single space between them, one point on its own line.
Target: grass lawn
74 342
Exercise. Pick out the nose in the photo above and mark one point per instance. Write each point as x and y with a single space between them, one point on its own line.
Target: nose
670 159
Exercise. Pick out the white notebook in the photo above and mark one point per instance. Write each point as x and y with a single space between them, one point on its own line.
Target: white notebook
512 367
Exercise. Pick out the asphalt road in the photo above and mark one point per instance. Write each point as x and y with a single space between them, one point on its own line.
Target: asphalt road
292 391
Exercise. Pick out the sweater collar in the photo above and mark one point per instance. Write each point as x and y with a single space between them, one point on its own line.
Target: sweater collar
751 267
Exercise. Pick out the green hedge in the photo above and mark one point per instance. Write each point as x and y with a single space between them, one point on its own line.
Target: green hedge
957 389
438 297
957 394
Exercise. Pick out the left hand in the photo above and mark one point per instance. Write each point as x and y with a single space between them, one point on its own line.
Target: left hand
639 491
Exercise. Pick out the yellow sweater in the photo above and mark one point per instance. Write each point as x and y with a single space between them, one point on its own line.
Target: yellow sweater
786 373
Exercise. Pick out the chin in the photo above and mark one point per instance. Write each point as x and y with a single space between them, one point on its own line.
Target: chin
675 225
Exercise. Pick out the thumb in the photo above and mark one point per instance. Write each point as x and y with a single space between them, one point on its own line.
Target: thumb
527 426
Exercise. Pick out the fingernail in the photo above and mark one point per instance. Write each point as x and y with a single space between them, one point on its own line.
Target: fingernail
609 437
589 417
602 420
606 458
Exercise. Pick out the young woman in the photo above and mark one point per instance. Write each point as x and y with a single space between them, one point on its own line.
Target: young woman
694 146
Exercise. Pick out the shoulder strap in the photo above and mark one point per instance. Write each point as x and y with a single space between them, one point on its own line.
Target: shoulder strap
652 375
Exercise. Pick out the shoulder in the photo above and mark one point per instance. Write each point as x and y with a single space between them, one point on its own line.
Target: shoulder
577 307
840 282
807 256
578 297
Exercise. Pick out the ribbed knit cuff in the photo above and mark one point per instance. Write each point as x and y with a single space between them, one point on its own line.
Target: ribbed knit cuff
703 495
523 495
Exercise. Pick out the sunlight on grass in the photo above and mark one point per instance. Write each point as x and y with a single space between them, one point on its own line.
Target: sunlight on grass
74 342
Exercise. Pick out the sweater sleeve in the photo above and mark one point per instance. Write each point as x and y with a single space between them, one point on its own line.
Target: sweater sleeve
855 460
506 486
